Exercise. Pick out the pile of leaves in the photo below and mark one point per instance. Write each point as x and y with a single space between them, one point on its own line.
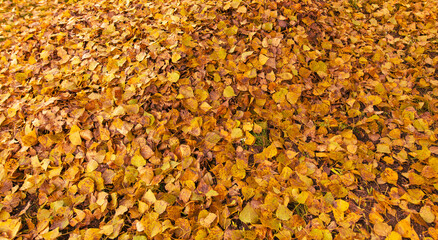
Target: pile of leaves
224 119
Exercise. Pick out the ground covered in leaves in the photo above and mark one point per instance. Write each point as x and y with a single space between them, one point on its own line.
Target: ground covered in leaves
218 119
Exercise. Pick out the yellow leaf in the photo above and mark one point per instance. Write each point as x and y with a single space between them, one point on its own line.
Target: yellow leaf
270 151
121 61
382 229
44 54
54 234
231 31
75 136
185 195
32 60
271 76
235 3
86 186
263 59
211 139
131 109
326 45
248 214
29 139
423 154
75 60
138 161
383 148
149 197
342 205
10 228
302 197
221 54
390 176
173 76
205 107
319 67
294 94
93 65
421 125
249 138
208 220
404 228
286 76
176 57
374 100
187 41
92 234
185 150
107 229
229 92
304 72
191 104
20 77
415 179
433 163
201 94
160 206
283 213
245 55
91 166
140 57
280 96
427 214
109 30
236 133
241 9
237 172
394 236
352 148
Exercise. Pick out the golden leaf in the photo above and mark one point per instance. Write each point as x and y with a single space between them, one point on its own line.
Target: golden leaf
185 194
383 148
207 220
283 213
10 227
53 234
382 229
270 151
173 76
390 176
149 197
394 236
249 138
138 161
245 55
86 186
176 57
229 92
236 133
263 59
75 136
29 139
286 76
427 214
341 205
248 215
160 206
404 228
221 54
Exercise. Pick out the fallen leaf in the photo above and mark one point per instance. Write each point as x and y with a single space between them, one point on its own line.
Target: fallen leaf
248 215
